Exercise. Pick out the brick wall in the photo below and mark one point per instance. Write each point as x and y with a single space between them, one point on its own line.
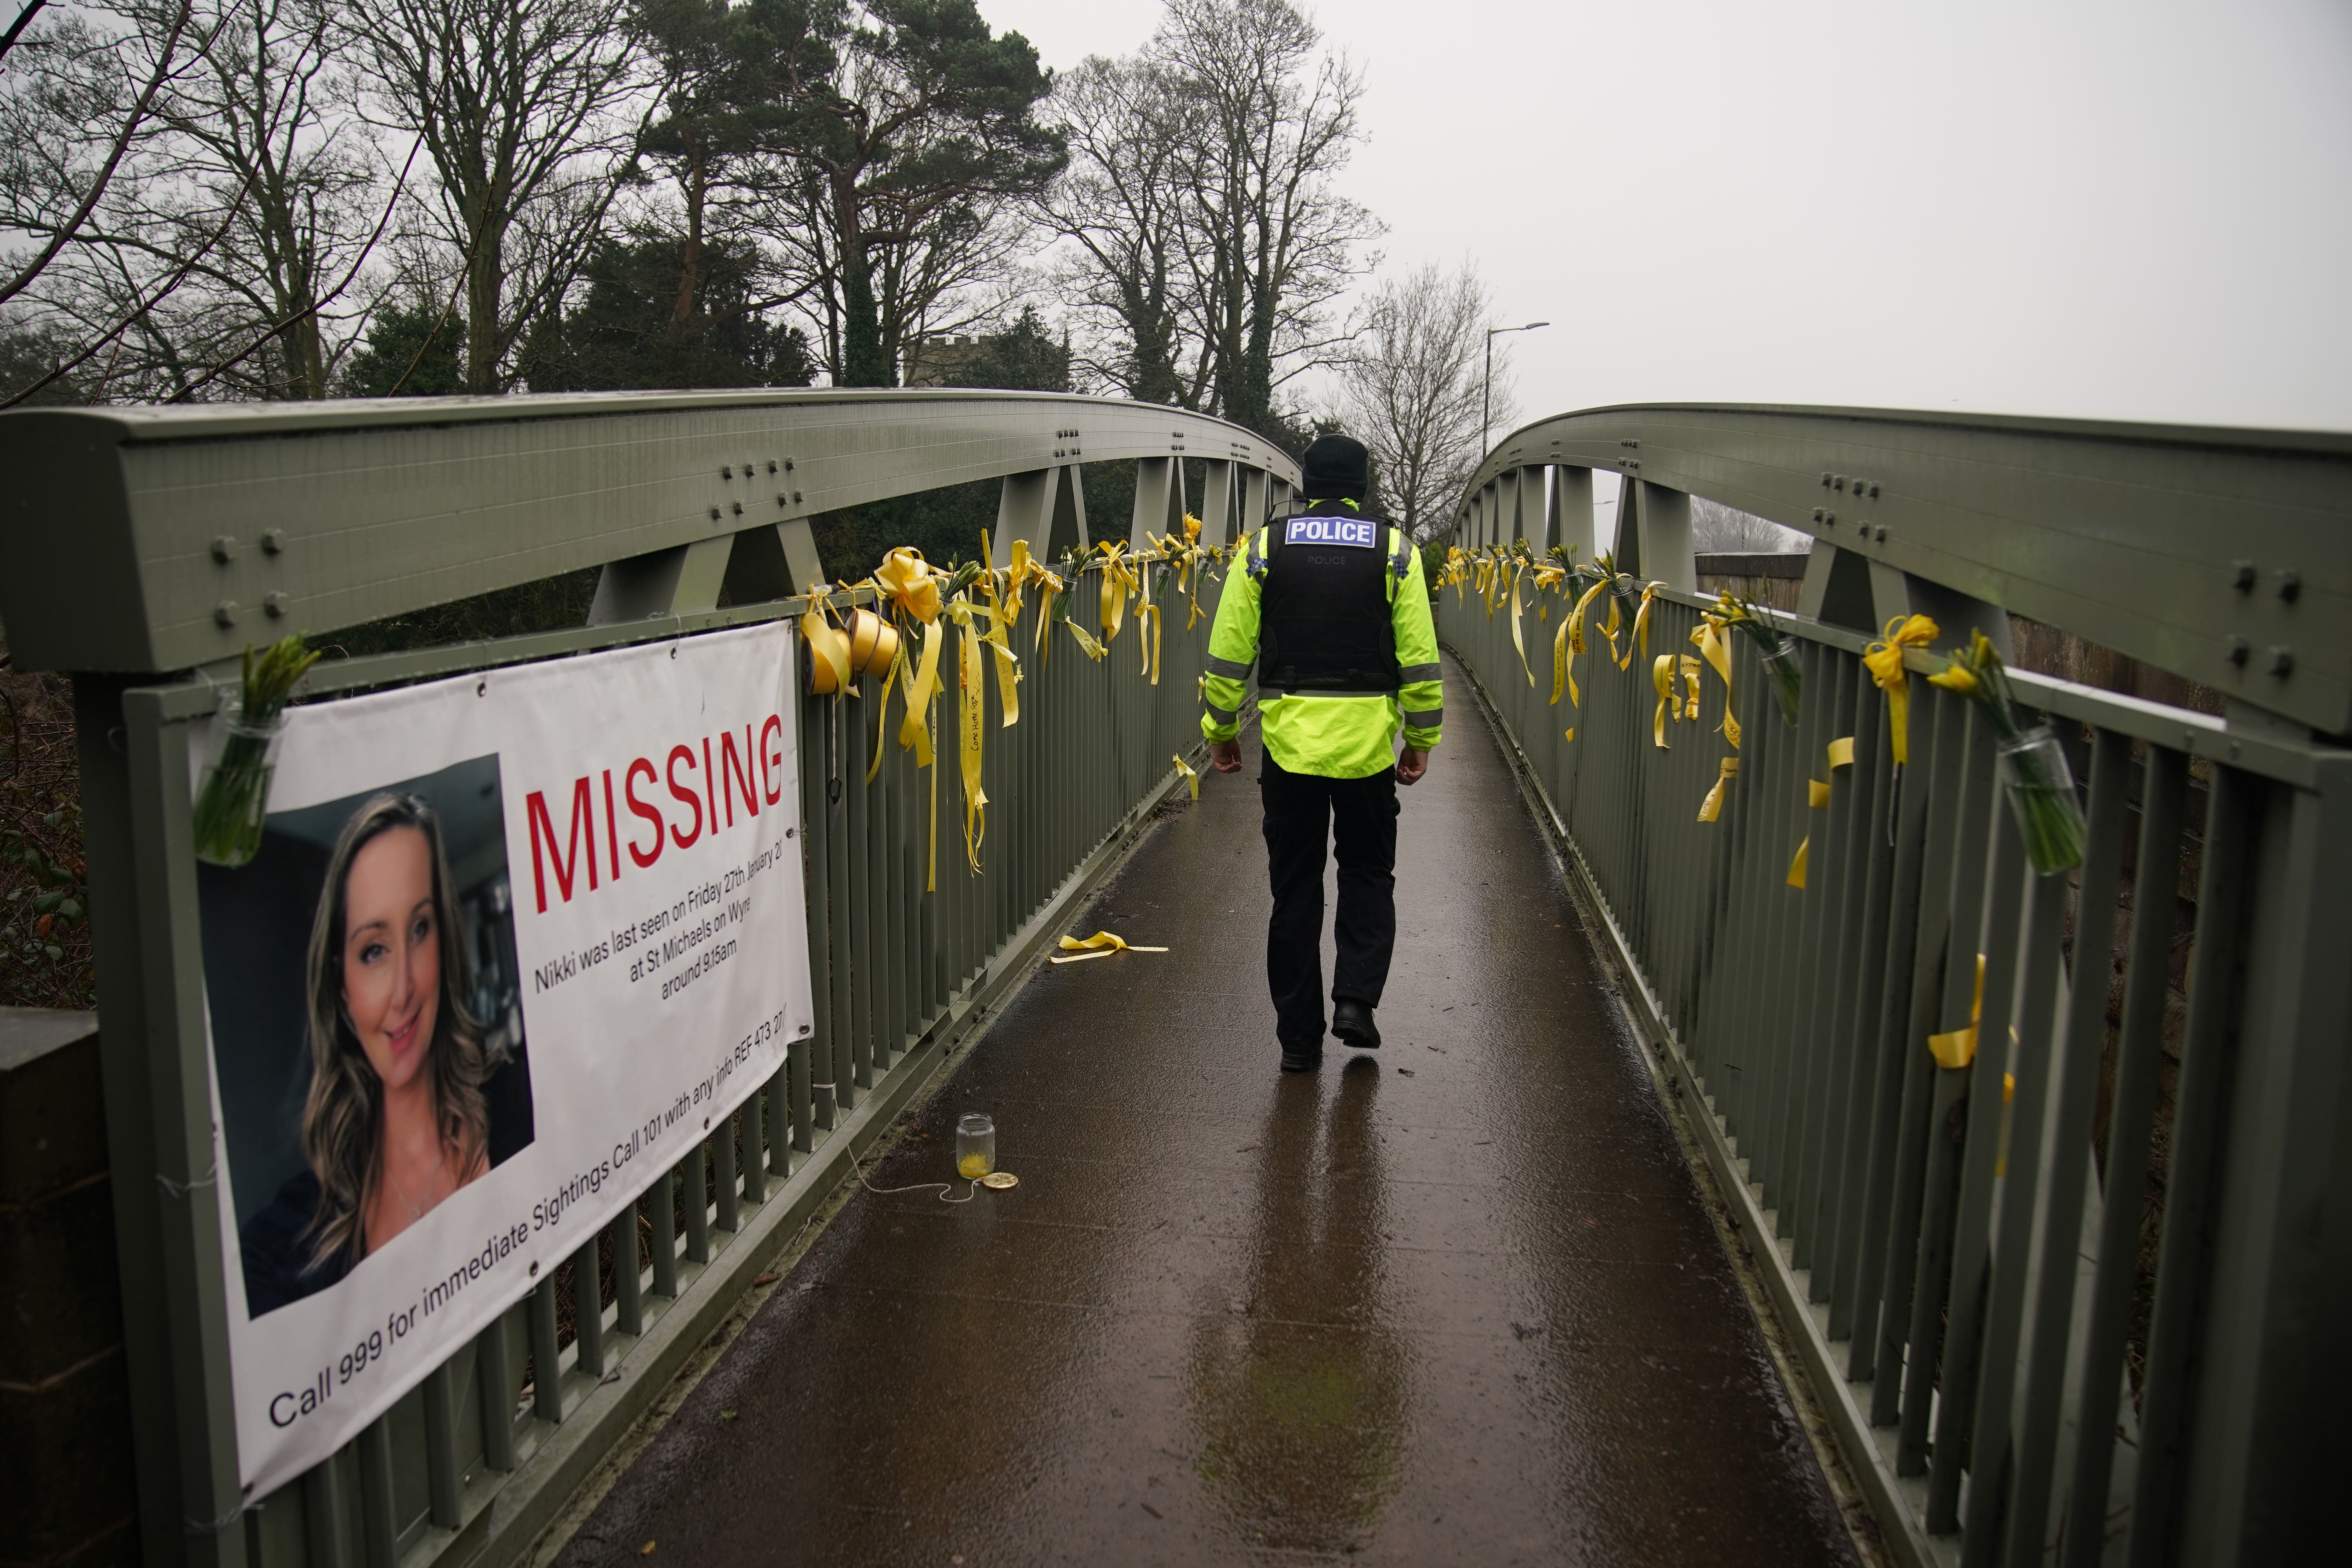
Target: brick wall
66 1492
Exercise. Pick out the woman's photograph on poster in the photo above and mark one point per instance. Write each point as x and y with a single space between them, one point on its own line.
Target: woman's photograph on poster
367 1025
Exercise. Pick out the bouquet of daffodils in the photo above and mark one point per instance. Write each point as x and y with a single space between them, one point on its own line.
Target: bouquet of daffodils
1777 653
2033 768
235 794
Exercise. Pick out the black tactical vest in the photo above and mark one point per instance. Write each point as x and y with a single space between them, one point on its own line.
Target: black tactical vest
1323 605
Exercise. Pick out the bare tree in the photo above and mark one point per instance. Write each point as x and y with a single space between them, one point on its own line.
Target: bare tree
1274 244
1718 529
1411 390
1128 122
522 106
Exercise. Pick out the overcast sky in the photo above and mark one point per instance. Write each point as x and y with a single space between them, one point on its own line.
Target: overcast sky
2134 210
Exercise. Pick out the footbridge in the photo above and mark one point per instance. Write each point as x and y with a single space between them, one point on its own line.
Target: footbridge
1825 1115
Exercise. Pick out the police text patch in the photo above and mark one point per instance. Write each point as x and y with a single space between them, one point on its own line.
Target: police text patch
1360 531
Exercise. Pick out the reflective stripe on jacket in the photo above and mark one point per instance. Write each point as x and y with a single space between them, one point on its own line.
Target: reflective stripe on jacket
1337 736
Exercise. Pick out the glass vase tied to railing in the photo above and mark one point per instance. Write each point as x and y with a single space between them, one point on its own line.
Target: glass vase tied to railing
1776 653
234 797
2035 773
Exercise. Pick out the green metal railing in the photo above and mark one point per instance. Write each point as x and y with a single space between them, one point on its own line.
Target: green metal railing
1960 1254
138 543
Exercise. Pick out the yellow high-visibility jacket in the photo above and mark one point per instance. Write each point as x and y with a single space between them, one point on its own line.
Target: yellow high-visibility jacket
1337 736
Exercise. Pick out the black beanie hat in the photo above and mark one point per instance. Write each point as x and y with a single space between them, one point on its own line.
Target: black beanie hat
1335 467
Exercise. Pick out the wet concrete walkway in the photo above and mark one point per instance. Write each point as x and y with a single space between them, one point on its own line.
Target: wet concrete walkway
1455 1302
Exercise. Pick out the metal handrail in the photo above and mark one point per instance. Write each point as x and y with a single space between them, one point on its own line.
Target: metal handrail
146 540
2224 555
139 546
1957 1273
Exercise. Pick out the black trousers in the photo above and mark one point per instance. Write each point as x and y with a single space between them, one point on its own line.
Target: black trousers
1303 812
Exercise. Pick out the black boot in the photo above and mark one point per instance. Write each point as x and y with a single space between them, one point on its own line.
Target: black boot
1302 1062
1352 1021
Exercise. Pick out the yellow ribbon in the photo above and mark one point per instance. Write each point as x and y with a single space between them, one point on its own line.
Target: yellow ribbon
1661 677
1957 1048
1712 806
1562 678
908 581
828 651
1518 594
1716 648
1102 944
1884 662
1642 617
972 686
1190 776
1118 582
1817 795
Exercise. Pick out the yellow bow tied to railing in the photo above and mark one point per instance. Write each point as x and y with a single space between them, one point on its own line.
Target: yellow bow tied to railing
1817 796
1716 648
1662 670
1712 806
1885 662
1570 643
909 584
1118 581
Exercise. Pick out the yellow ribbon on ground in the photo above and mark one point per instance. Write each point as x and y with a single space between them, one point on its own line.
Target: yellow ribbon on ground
1712 806
1885 662
1661 677
1102 944
1190 776
1957 1048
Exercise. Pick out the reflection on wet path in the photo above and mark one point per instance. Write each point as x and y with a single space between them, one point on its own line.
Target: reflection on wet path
1457 1302
1299 1397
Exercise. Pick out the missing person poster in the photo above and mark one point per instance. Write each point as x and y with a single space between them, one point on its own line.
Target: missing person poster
513 943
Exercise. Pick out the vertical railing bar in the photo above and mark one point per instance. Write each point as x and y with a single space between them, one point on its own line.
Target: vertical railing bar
662 1201
1925 1279
1866 941
2000 934
494 1385
441 1447
694 1176
1898 1114
324 1512
588 1310
1850 808
379 1527
628 1280
2014 1200
546 1360
723 1176
2073 1095
2233 816
2140 1054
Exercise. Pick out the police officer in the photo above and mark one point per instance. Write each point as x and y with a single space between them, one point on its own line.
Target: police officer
1331 608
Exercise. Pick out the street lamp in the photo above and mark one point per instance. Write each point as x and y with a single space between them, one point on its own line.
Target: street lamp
1487 399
